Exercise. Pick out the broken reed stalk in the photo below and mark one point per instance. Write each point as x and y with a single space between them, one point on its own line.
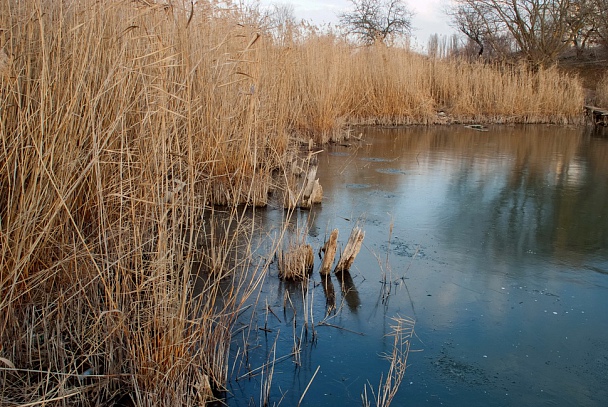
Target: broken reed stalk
352 248
402 332
330 248
266 386
308 386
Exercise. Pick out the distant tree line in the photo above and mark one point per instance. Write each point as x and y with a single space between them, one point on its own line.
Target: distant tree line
540 30
537 30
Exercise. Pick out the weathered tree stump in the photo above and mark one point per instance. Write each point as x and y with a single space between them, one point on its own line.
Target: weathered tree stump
312 192
350 250
303 190
330 249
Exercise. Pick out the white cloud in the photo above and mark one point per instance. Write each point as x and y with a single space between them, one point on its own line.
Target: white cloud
428 8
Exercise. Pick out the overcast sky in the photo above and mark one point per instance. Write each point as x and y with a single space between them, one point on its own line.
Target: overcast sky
429 17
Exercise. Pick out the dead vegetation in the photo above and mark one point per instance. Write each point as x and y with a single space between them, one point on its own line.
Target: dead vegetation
296 262
123 123
300 186
329 248
351 250
402 332
602 91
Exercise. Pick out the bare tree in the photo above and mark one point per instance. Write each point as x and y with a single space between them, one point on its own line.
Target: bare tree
599 19
440 46
373 21
540 28
470 23
587 23
283 22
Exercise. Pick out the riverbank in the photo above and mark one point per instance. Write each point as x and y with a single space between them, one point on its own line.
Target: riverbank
123 123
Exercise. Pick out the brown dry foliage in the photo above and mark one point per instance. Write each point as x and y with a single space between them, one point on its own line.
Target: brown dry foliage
121 123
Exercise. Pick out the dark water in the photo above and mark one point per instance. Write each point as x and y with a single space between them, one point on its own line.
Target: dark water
495 242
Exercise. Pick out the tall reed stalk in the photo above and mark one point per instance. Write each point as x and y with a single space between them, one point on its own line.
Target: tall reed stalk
601 92
121 122
402 332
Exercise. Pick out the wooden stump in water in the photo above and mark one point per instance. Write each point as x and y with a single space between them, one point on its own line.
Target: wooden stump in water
329 248
598 116
312 192
351 250
310 189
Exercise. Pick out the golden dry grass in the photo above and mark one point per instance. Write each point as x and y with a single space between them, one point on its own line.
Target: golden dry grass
602 92
118 121
331 83
122 122
296 262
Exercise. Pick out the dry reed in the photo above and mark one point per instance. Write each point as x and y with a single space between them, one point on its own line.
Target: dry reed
601 92
321 82
118 118
296 262
402 332
122 122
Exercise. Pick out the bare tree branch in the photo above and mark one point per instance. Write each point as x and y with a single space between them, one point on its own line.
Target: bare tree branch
371 21
541 29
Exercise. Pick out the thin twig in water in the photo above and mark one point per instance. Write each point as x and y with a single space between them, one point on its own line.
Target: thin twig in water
309 383
252 372
323 323
272 312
